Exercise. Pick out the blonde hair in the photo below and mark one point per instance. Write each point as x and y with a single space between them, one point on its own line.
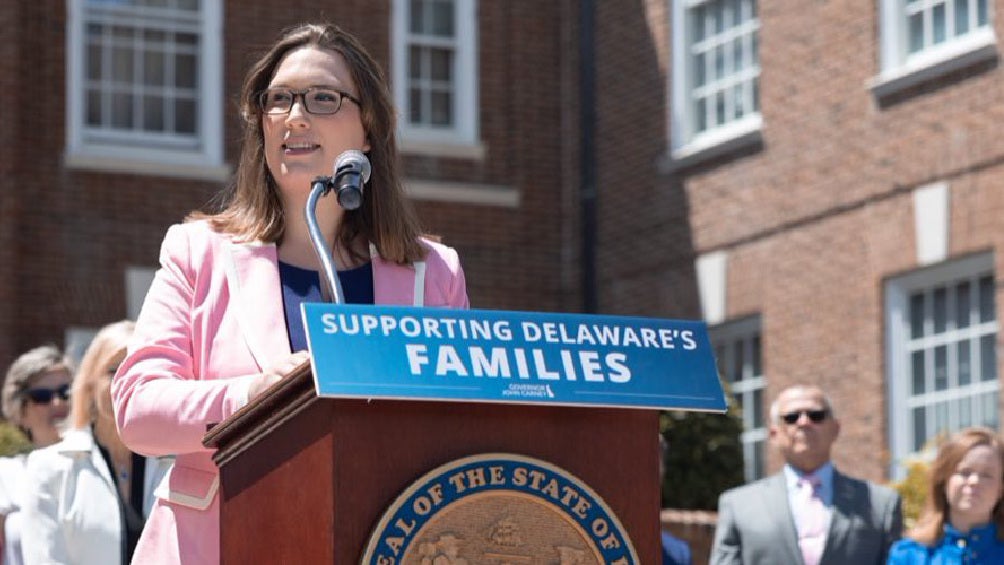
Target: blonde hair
25 372
105 352
930 527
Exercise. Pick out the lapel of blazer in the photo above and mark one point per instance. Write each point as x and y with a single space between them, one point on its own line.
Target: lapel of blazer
256 295
778 508
396 284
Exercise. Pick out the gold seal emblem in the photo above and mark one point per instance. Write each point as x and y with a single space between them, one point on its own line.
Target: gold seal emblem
499 509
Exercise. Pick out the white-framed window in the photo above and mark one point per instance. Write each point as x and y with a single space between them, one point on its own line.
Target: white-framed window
737 350
924 39
716 74
435 75
942 354
144 86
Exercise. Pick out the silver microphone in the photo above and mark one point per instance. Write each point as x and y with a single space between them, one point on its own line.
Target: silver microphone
352 172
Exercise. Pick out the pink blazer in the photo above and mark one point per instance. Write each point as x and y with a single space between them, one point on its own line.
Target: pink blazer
213 320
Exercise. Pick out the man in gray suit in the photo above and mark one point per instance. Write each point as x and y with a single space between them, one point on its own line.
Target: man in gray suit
809 513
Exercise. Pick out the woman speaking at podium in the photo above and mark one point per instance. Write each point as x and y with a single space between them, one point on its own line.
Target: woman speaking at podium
221 322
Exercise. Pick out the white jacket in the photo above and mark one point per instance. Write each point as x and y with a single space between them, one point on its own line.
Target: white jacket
71 511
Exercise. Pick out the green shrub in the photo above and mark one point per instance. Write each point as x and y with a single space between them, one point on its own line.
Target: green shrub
12 440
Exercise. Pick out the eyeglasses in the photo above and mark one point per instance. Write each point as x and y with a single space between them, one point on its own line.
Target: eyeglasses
45 395
277 101
816 416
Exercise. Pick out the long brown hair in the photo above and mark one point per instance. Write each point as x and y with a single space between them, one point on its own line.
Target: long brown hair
930 526
253 209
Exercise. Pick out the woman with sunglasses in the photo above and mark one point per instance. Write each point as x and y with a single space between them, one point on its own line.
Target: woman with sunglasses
35 399
963 519
221 322
87 496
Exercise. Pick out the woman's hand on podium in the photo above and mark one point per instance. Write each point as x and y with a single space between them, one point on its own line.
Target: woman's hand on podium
276 372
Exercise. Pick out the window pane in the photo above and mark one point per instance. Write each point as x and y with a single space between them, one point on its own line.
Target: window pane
697 23
919 429
989 409
758 408
153 68
987 312
938 24
415 105
414 62
964 407
93 107
122 117
186 71
916 32
416 13
700 76
187 41
442 113
737 101
916 315
93 62
153 113
961 17
940 367
719 71
441 60
757 370
122 65
940 310
965 364
701 114
962 310
981 12
191 5
988 358
940 418
442 18
185 118
738 360
917 362
720 108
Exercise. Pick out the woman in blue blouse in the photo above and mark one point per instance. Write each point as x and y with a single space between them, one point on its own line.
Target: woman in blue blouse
964 517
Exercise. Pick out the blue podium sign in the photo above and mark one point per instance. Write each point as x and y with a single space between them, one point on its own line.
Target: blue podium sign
399 352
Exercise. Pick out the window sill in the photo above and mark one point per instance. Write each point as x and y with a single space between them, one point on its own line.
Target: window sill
727 140
979 48
473 151
463 193
150 162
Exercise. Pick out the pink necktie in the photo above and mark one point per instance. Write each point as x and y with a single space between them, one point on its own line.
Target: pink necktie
811 520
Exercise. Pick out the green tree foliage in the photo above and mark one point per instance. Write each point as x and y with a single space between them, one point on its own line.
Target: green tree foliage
704 458
12 441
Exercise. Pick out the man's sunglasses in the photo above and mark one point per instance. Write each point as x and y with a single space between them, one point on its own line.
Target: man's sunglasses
45 395
816 416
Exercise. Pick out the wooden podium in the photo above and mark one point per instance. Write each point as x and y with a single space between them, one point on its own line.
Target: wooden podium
307 479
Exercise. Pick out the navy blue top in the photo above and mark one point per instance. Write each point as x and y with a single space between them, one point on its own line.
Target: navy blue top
303 285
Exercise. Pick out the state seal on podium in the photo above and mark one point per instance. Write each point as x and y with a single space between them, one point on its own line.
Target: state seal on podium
495 509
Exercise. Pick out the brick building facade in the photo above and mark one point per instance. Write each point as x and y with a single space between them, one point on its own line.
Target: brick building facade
76 229
835 169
